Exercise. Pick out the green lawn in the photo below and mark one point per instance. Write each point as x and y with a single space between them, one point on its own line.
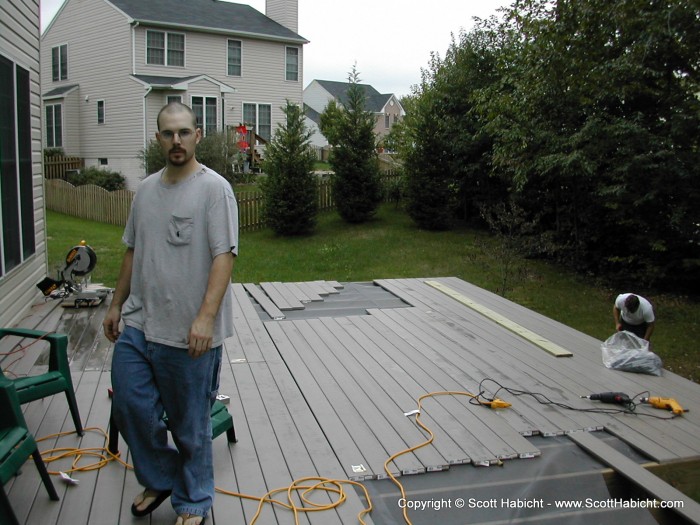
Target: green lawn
391 247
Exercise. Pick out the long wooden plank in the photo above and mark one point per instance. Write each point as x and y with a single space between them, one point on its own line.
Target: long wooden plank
281 296
371 395
421 362
309 291
297 292
267 449
330 288
660 439
371 351
545 344
688 508
334 426
264 301
312 438
375 445
631 430
109 487
465 375
293 448
480 356
246 318
247 470
671 384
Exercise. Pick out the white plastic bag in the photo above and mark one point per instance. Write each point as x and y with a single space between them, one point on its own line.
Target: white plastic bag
627 352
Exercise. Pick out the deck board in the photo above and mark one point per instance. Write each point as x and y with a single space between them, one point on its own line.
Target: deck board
318 396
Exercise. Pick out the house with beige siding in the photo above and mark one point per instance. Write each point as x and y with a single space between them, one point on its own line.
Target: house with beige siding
386 107
22 227
108 66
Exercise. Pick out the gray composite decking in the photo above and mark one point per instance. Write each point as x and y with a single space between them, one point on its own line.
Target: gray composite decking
326 395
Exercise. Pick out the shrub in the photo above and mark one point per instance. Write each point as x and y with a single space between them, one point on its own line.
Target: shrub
217 153
214 151
109 180
356 186
290 188
151 157
54 152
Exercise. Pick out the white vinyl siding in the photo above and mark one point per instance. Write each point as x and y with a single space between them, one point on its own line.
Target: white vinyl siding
316 96
19 46
292 64
234 67
59 62
165 49
262 74
54 126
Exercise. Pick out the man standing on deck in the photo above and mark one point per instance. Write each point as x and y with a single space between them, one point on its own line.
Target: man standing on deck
174 296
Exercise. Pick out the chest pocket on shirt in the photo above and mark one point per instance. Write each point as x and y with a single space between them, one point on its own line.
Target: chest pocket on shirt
180 230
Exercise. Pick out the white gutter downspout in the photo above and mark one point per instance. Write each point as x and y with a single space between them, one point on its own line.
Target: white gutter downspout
134 25
145 118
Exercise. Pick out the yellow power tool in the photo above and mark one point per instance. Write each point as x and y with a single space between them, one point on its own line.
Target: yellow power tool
664 403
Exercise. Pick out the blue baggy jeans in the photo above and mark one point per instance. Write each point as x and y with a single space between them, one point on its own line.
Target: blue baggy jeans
149 379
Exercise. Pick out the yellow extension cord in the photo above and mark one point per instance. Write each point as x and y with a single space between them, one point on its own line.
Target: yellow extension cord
303 488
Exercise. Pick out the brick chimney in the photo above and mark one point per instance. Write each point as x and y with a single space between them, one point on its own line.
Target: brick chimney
285 12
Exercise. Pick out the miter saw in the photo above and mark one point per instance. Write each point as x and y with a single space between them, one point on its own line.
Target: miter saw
72 280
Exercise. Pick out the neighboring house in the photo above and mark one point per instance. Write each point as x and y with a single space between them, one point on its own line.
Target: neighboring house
386 107
108 66
22 226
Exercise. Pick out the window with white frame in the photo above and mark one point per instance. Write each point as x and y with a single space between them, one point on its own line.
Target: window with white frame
235 58
54 126
100 111
17 238
59 62
173 98
259 117
292 67
205 109
165 49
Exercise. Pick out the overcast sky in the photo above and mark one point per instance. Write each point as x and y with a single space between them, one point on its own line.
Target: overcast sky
390 40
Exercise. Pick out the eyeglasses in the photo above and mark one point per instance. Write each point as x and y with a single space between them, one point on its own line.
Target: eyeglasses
184 134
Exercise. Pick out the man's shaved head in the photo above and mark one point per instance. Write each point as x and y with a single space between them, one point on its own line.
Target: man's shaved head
174 107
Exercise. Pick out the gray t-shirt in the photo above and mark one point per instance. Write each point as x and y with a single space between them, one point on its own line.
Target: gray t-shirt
176 230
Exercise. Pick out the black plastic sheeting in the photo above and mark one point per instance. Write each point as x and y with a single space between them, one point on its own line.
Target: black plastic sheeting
564 485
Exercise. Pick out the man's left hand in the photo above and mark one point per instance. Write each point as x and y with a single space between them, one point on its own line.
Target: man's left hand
201 336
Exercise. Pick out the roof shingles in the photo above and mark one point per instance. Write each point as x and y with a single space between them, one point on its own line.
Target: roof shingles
206 14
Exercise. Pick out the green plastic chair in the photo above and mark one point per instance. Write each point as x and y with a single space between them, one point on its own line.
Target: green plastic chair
16 445
57 379
221 421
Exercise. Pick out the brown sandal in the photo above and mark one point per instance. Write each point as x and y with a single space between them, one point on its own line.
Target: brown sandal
158 498
190 519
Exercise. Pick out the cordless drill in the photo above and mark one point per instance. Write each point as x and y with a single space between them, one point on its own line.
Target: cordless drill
664 403
615 398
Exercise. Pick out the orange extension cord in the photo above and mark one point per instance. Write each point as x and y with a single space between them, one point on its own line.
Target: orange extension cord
302 488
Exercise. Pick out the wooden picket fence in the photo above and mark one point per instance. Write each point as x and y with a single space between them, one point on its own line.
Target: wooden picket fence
93 203
56 166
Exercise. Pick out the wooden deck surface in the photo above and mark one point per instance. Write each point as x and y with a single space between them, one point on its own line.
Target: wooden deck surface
327 396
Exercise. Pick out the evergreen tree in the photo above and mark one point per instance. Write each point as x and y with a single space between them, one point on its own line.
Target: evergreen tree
356 185
291 189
